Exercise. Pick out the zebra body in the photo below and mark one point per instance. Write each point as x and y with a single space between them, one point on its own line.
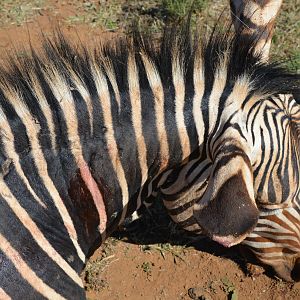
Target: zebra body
86 137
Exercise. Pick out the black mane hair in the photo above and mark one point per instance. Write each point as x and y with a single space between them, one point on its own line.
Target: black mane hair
266 77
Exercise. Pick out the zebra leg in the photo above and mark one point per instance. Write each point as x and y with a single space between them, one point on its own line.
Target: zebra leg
256 18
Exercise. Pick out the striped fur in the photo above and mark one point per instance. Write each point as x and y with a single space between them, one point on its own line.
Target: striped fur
256 18
86 136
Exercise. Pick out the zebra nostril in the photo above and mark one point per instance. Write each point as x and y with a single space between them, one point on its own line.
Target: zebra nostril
296 270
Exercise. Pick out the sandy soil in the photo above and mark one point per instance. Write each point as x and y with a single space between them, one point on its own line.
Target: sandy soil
148 267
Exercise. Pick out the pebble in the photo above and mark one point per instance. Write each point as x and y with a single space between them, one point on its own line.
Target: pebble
253 270
198 294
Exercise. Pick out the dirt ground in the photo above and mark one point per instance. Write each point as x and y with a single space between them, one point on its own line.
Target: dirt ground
151 259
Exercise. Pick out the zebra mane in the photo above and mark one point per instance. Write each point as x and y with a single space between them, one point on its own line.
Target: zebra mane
222 48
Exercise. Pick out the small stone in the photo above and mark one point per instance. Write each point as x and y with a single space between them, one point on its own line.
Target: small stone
199 294
253 270
296 286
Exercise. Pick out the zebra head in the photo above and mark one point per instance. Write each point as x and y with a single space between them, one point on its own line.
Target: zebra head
253 187
276 238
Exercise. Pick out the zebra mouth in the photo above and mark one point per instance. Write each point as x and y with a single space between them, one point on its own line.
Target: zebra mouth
228 241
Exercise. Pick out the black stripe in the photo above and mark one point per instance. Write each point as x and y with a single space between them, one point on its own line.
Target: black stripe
266 170
47 220
43 266
13 283
180 209
278 142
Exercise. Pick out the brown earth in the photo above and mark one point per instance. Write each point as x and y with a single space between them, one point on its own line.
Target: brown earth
140 263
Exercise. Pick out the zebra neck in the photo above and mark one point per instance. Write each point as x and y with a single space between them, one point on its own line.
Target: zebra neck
108 170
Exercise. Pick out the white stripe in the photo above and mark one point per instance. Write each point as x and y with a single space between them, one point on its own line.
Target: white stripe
109 71
83 91
282 236
10 151
216 93
35 232
158 94
104 99
42 102
32 131
288 222
3 295
199 86
179 86
267 229
265 245
26 272
136 113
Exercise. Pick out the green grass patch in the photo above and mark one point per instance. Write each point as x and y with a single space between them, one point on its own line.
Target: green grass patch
286 39
119 14
17 12
180 8
95 13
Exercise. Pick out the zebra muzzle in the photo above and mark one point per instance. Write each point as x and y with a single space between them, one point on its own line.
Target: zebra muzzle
227 212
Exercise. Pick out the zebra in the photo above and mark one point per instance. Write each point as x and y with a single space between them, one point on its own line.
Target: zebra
275 239
87 135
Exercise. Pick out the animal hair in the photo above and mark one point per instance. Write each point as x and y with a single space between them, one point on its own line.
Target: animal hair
178 41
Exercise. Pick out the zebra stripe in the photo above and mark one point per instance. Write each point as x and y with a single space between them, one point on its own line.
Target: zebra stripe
32 131
199 86
84 141
256 20
27 273
276 240
36 234
178 82
135 98
9 147
104 99
3 295
158 94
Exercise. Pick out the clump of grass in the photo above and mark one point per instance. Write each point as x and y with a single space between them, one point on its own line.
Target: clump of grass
105 14
119 14
94 267
177 251
16 12
146 266
229 289
293 63
180 8
286 39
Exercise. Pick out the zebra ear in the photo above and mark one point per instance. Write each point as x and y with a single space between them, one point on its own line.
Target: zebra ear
230 213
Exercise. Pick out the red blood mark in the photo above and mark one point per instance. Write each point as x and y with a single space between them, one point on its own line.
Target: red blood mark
95 192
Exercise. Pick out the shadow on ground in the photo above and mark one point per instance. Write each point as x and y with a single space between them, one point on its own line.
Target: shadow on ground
154 226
